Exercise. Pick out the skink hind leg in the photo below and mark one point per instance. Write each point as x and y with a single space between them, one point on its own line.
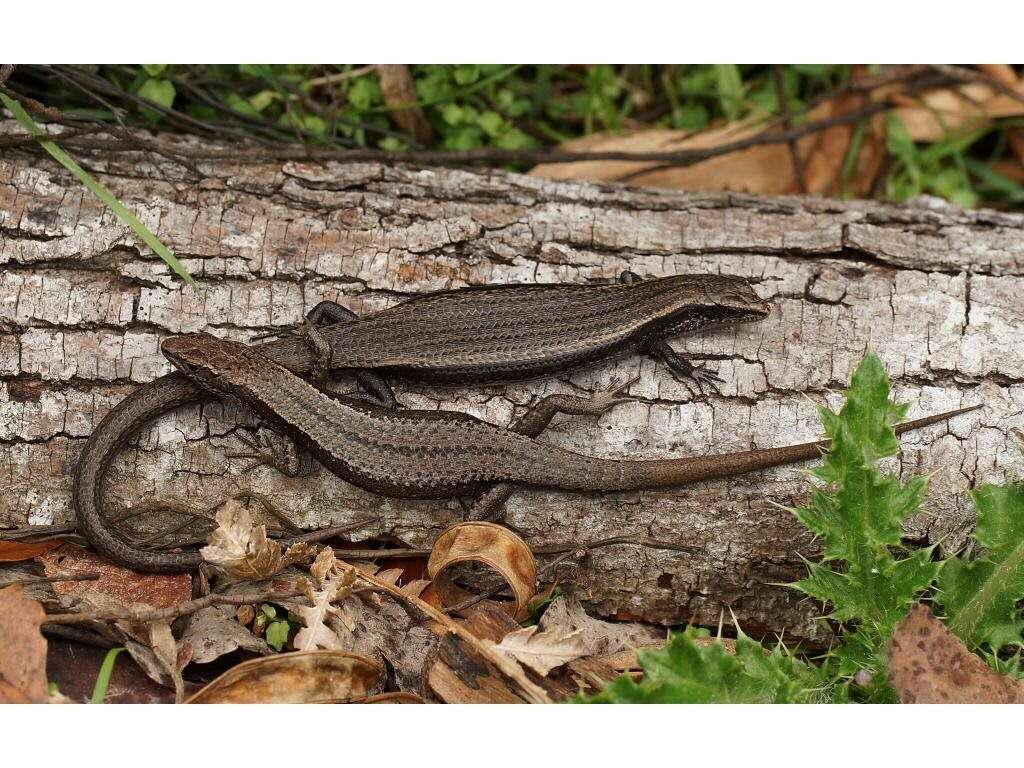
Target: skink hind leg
491 503
263 451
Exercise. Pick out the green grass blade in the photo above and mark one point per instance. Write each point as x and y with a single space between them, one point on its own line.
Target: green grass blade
98 189
99 691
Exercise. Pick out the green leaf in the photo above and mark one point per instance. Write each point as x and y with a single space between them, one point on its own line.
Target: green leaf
729 85
858 512
160 92
492 123
364 93
99 691
98 189
683 672
154 70
980 596
694 117
466 74
277 634
240 104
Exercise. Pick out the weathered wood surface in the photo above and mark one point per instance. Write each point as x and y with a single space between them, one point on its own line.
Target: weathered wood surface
935 290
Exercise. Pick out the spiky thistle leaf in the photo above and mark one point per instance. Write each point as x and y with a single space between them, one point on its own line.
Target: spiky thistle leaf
859 512
980 596
684 671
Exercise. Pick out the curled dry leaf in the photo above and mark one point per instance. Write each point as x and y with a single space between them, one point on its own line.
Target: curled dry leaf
308 677
542 651
928 664
22 648
492 545
241 550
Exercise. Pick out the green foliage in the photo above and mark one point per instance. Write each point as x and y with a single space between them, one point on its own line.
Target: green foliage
276 630
474 106
97 189
158 91
99 691
858 512
937 169
866 578
980 596
685 672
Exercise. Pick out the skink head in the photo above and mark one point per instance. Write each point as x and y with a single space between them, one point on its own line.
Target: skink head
692 302
215 364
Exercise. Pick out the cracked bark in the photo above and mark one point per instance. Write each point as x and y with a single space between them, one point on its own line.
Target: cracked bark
935 290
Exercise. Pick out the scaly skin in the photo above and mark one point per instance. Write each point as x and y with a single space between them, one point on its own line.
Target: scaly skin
472 335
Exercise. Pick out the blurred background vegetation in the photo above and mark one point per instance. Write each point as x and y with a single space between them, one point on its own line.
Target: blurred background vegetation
967 153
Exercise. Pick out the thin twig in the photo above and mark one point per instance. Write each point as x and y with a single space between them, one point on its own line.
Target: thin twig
173 612
90 576
30 531
966 75
787 122
568 551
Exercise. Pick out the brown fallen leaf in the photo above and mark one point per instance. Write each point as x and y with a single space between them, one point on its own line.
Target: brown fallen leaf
124 587
933 115
13 551
824 161
165 649
241 550
307 677
1006 75
764 169
928 664
542 651
489 544
22 648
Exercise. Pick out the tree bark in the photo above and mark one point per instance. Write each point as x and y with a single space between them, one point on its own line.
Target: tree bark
935 290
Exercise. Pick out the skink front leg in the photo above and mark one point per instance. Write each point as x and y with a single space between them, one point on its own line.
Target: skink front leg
690 374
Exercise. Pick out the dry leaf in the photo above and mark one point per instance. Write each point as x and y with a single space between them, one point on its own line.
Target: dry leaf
241 550
566 615
214 632
333 584
22 648
489 544
118 589
116 586
166 651
542 651
13 551
928 664
295 678
934 115
765 169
